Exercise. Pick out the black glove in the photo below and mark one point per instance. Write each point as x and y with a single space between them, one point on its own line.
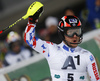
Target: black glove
34 18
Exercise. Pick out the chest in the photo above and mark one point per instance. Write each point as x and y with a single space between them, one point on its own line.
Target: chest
67 61
14 58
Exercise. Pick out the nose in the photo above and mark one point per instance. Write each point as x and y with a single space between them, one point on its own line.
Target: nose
74 35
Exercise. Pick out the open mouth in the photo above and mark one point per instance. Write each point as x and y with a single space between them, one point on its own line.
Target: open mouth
74 41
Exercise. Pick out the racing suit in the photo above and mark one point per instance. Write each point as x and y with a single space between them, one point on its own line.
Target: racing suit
65 63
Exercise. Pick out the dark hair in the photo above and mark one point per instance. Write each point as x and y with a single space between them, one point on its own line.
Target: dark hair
68 8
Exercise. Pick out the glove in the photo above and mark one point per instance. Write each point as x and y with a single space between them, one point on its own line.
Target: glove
34 18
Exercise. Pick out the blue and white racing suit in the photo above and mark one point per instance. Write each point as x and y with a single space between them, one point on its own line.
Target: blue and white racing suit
66 64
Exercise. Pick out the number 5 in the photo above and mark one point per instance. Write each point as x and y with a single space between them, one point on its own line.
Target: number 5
70 77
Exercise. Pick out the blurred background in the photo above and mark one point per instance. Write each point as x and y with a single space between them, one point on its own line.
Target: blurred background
10 11
11 41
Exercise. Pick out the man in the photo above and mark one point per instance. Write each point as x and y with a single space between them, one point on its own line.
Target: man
17 52
51 26
69 11
66 60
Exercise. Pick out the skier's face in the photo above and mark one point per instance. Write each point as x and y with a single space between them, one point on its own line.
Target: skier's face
74 39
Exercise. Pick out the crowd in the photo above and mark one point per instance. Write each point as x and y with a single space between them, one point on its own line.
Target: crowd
14 50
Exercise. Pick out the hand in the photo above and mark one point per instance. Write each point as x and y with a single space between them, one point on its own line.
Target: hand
34 18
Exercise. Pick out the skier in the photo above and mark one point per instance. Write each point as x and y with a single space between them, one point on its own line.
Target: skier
67 61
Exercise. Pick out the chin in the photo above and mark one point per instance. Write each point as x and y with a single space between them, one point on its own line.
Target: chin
74 45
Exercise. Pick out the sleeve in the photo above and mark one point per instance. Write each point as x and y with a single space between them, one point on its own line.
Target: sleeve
92 68
34 42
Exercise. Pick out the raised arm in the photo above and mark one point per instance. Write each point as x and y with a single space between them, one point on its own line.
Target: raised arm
29 36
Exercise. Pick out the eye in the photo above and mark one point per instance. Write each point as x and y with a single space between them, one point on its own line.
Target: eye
69 32
77 31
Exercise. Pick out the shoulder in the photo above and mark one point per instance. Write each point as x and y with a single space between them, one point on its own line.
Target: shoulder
53 46
9 54
83 51
25 51
87 54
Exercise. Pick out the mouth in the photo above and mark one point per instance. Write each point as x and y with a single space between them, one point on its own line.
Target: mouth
74 41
